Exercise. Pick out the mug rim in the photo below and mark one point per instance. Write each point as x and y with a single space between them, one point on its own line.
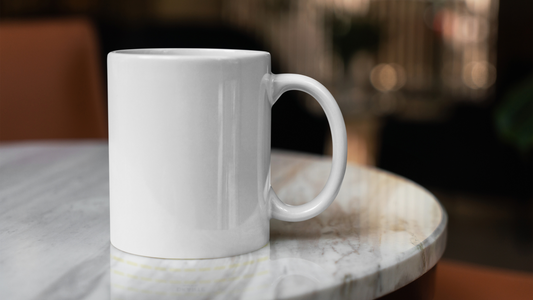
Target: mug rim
190 53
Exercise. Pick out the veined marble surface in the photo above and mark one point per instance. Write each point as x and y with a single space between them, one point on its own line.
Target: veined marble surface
381 233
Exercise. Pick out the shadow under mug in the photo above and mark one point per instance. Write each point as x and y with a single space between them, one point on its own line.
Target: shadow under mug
249 276
189 151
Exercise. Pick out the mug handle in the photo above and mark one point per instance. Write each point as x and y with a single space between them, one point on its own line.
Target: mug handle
281 83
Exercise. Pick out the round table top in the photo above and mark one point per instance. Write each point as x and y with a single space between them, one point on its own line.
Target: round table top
381 233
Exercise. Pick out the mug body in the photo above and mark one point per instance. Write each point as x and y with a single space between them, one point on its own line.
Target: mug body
189 152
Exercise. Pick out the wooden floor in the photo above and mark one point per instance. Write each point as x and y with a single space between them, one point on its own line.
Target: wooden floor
488 230
460 280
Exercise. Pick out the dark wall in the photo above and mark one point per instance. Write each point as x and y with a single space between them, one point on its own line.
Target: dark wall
465 153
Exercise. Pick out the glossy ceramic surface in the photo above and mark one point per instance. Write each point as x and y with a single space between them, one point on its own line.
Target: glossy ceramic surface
381 233
189 151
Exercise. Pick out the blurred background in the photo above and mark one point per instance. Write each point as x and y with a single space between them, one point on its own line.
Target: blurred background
440 92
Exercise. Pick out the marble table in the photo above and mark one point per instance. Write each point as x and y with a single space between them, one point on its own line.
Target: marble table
381 233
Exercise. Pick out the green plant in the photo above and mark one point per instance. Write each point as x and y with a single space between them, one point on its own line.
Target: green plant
514 116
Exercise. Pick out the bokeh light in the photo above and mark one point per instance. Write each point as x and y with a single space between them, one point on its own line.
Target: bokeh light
479 75
387 77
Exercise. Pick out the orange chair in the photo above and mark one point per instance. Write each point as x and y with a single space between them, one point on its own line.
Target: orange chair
50 81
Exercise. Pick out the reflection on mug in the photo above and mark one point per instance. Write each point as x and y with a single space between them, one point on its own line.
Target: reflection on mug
250 276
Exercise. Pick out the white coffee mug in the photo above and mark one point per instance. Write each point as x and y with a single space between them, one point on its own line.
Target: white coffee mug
189 151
